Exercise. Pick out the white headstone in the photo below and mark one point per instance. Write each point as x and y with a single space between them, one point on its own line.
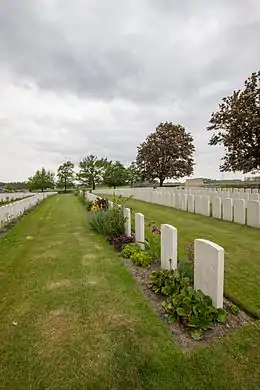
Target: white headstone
253 213
139 229
127 215
216 208
239 211
198 204
191 205
209 270
184 202
205 206
168 247
228 209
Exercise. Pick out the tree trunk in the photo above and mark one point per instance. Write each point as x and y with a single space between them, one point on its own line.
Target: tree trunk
93 185
65 186
42 189
161 181
114 187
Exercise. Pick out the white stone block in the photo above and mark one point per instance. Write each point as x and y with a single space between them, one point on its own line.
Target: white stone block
198 204
228 209
254 196
178 201
205 206
184 200
209 270
127 215
239 211
248 190
168 247
216 208
253 213
139 230
191 204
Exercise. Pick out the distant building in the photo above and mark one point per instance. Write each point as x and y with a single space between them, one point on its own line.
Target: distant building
197 182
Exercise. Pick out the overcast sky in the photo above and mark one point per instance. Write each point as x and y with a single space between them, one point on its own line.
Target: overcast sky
80 77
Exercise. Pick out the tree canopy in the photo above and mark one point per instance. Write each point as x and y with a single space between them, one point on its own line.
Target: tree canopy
133 174
65 175
41 180
115 174
91 170
167 153
237 123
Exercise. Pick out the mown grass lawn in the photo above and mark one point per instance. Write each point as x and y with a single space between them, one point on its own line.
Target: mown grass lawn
241 244
73 318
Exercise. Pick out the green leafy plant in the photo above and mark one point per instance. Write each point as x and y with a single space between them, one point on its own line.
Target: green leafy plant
142 258
186 264
89 205
99 222
194 309
153 241
167 282
232 308
129 249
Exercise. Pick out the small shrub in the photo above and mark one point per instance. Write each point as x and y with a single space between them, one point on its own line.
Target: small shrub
186 264
129 249
120 241
153 241
167 282
194 310
115 221
99 223
142 258
89 205
232 309
101 203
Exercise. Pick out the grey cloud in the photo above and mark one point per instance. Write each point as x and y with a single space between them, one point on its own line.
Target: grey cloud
107 73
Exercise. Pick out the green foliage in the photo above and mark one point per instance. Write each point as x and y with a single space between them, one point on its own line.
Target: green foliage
139 256
115 174
186 268
237 124
99 222
194 310
42 179
166 153
142 258
91 170
167 282
65 175
109 222
129 249
133 174
89 205
153 241
232 308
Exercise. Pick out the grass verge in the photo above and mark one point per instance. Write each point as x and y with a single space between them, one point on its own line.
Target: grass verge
73 318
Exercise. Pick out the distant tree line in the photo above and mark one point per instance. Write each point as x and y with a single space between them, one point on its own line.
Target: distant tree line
168 152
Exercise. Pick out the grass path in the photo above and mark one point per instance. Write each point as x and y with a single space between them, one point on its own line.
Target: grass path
72 318
241 244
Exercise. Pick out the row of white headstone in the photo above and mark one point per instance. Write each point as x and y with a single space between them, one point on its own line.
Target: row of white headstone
228 209
14 210
208 256
11 196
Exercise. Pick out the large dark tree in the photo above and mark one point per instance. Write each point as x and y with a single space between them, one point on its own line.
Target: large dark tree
237 123
91 170
166 154
41 180
115 174
65 175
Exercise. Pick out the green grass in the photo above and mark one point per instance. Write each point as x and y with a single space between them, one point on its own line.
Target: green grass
241 244
81 322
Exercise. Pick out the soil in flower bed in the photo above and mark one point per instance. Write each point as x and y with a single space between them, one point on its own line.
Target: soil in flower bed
179 333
